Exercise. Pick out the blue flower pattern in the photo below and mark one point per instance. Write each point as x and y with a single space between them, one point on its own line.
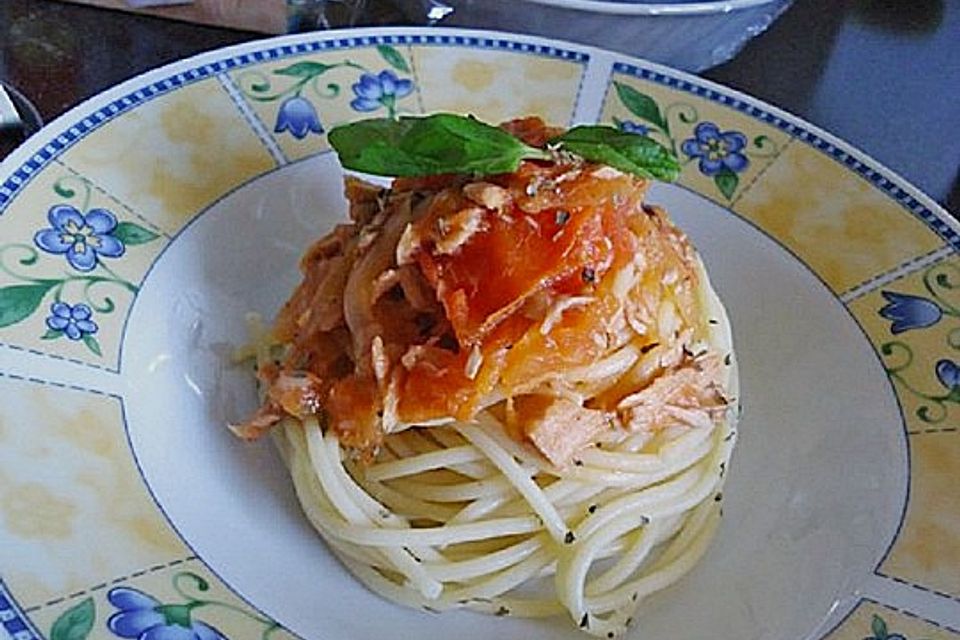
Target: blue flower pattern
909 312
143 617
948 373
716 150
629 126
83 238
376 91
298 116
72 321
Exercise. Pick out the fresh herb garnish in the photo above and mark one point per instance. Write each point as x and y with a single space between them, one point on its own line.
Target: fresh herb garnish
422 146
412 146
628 152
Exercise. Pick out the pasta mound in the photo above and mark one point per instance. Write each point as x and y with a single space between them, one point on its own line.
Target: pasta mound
510 394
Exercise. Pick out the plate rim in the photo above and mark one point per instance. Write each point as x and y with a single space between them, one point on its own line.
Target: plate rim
605 60
22 156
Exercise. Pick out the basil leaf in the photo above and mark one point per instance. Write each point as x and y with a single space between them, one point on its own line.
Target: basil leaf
447 143
628 152
422 146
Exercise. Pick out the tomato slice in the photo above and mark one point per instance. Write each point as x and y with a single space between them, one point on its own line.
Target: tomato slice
352 405
558 244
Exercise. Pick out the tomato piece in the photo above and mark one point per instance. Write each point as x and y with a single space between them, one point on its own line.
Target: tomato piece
516 254
436 385
352 406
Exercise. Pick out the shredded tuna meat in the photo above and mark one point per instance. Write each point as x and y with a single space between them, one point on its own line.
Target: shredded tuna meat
445 295
691 393
558 427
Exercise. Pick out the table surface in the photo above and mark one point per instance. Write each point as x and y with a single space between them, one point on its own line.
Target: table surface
882 74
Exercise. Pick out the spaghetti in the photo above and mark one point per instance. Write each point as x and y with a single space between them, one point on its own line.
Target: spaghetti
512 395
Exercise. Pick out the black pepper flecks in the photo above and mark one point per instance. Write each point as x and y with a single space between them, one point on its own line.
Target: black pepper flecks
395 293
425 323
448 342
562 217
589 275
585 621
647 348
569 538
502 611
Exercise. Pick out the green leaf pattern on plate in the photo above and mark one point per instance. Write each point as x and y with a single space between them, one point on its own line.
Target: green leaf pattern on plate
393 57
726 181
880 631
131 234
19 301
641 105
75 623
720 155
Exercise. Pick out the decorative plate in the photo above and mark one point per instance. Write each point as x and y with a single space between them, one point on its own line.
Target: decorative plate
138 230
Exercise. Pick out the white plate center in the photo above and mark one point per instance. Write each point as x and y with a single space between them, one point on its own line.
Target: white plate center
815 494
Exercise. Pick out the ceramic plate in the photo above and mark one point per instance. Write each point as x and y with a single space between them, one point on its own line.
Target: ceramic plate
138 230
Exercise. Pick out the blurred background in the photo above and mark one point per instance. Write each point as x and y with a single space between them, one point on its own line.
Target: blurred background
882 74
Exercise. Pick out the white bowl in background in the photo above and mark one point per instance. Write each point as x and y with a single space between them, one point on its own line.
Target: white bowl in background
690 35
